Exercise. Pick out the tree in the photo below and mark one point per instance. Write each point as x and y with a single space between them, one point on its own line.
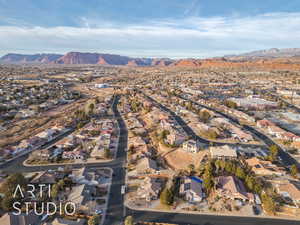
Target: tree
258 188
189 106
8 188
128 220
7 203
107 153
61 184
80 125
218 165
268 203
294 170
240 173
222 164
166 196
9 185
191 167
164 134
229 167
54 191
204 115
273 153
94 220
208 182
230 104
211 134
91 108
250 181
208 178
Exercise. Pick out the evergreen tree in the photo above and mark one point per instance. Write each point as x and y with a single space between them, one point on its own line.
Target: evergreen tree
294 170
273 153
240 173
128 220
94 220
268 203
166 196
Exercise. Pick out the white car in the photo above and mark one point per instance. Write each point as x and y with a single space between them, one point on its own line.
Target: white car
98 211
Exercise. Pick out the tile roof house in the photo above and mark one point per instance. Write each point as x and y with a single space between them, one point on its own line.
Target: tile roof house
77 195
264 123
43 154
191 146
150 189
44 178
261 167
165 124
222 152
75 154
240 134
61 221
175 138
232 188
276 131
136 141
290 190
192 190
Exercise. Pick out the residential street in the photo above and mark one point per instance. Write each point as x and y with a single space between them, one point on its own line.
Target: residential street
116 211
286 158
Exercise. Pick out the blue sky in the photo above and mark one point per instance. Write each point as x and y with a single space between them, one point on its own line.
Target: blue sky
150 28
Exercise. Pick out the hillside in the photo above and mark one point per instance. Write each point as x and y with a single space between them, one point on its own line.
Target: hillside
268 53
84 58
36 58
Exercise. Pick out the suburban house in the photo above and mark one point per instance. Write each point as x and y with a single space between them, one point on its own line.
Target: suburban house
61 221
150 189
290 190
165 125
261 167
146 166
240 134
275 131
223 152
81 176
239 114
75 154
264 123
77 196
192 190
136 141
232 188
175 138
44 178
254 103
43 154
191 146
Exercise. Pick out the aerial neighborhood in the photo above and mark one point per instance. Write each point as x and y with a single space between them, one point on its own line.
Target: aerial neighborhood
113 145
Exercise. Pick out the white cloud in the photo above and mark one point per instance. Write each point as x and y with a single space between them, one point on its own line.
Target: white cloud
190 37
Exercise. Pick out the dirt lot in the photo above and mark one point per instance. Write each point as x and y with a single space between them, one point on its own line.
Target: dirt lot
179 159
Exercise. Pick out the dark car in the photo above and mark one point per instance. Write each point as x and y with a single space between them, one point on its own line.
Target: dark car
255 210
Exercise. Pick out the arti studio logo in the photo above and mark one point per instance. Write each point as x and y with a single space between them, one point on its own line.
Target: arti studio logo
40 191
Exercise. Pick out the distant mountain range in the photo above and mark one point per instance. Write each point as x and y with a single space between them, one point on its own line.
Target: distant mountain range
273 55
84 58
36 58
269 53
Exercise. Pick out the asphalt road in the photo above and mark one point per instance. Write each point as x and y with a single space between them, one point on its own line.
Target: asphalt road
191 133
116 211
287 159
193 219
